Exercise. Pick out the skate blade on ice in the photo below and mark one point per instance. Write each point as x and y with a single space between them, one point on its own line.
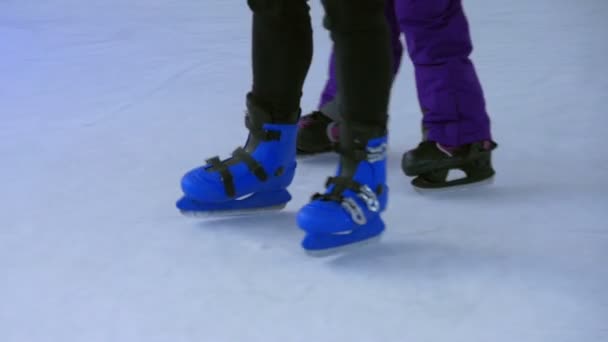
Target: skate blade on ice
423 187
343 249
232 213
324 244
246 205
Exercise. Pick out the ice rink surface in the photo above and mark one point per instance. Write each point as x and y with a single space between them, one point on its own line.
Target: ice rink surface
104 104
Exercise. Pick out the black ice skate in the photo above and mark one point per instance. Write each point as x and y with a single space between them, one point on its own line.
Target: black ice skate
431 163
317 134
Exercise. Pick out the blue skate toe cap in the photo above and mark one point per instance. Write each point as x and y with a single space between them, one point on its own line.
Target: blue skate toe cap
187 204
203 186
318 242
324 217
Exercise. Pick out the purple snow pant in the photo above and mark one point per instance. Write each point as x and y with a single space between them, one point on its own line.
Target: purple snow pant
439 45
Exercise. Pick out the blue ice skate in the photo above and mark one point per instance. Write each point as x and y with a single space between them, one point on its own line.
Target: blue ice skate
256 177
349 211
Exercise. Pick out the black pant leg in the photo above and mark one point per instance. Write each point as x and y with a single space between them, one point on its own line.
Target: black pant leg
282 53
361 37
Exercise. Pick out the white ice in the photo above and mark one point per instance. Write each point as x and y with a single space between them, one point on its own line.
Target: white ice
105 103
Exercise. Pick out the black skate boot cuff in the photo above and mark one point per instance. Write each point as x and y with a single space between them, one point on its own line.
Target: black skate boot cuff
352 147
356 135
260 113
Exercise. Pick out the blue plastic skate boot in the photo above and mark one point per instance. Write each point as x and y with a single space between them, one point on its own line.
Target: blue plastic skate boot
349 211
256 177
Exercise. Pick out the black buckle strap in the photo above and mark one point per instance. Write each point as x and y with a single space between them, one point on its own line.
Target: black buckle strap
239 155
363 192
227 179
341 184
256 168
345 183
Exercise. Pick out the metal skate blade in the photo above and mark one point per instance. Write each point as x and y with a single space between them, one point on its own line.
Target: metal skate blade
320 157
232 213
456 188
305 156
343 249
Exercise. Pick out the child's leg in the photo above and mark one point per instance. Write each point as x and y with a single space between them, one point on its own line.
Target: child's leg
328 102
317 131
349 210
281 53
449 90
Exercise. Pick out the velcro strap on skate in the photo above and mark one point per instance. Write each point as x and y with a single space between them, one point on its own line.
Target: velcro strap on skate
344 183
340 184
227 179
256 168
260 133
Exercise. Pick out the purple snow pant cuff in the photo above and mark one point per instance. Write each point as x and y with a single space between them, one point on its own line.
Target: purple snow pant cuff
455 134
